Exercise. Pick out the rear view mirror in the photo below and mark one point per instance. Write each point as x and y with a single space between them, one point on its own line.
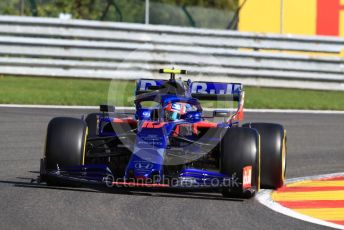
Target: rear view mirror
107 108
221 113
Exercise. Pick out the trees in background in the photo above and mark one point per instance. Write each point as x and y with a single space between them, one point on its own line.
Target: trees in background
200 13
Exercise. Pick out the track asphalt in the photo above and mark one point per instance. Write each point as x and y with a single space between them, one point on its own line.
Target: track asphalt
315 146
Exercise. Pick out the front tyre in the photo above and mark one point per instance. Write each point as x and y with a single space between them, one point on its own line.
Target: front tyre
239 154
273 153
65 144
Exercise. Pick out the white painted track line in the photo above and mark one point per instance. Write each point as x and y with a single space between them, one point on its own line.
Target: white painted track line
47 106
246 110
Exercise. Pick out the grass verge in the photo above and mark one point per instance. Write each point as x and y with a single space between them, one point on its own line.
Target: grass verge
66 91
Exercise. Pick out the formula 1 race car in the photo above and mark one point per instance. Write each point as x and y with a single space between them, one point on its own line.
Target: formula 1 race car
168 142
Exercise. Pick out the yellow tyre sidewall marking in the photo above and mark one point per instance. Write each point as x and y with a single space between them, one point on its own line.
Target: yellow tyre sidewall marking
284 153
84 151
259 167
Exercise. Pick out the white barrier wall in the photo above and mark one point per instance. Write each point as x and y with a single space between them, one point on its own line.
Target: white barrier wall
90 49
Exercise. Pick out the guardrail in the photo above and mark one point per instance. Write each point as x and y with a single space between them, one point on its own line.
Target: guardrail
91 49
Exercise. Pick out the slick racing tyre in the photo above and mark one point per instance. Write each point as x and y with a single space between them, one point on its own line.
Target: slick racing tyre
273 153
65 144
239 154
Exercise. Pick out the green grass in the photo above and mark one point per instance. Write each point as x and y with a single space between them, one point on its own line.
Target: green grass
63 91
276 98
57 91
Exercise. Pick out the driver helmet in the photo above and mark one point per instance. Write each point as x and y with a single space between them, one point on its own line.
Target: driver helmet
174 111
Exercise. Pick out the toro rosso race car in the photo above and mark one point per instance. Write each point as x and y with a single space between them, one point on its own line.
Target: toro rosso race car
168 142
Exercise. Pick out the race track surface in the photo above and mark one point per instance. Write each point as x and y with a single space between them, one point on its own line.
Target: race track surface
315 146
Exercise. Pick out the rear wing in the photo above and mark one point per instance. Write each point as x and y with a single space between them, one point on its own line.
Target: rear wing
216 91
199 90
211 91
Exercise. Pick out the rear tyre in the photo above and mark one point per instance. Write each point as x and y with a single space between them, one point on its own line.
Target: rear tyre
239 148
273 153
65 144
